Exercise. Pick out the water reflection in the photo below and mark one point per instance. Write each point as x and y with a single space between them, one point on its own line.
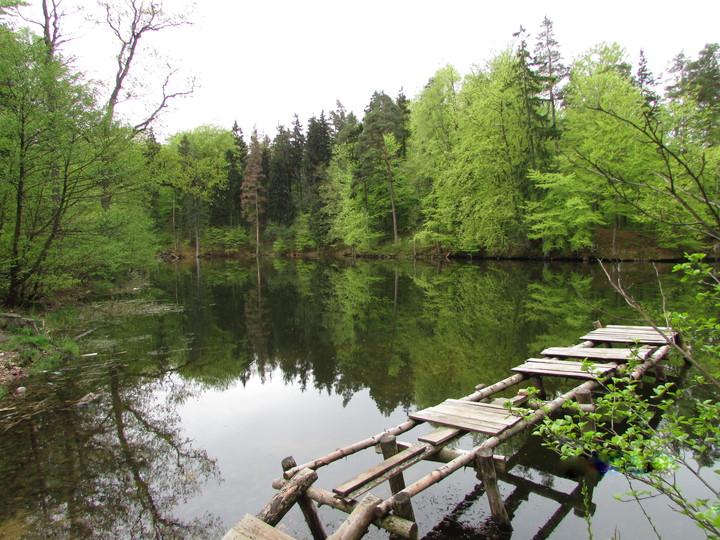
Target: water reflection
112 462
305 353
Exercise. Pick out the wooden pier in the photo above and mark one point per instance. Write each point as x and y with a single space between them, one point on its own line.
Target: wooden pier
602 354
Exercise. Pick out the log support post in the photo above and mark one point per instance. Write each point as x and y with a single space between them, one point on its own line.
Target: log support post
660 375
489 477
284 499
389 447
584 397
537 382
307 506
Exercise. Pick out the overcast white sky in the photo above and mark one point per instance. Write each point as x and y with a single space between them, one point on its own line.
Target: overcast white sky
259 62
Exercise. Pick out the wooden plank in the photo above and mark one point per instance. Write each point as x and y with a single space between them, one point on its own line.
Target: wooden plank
251 528
462 416
567 366
618 334
599 354
642 328
481 409
441 435
395 462
540 368
492 417
481 425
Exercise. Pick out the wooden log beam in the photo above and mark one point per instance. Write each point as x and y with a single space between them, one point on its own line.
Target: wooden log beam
357 523
284 499
307 506
392 524
351 449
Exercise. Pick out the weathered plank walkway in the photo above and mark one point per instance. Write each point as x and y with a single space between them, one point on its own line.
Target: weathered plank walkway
456 417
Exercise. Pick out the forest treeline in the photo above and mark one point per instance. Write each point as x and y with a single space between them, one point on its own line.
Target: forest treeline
527 155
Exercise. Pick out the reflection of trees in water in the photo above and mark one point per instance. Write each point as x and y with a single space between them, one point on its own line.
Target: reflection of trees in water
409 333
115 467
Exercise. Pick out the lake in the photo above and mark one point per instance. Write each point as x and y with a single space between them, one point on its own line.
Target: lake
198 383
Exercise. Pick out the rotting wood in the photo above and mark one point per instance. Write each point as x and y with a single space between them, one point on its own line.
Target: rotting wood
442 472
389 448
599 354
281 503
494 414
367 480
564 368
392 524
389 465
489 478
537 383
307 506
481 392
255 529
584 397
489 421
18 320
445 455
357 523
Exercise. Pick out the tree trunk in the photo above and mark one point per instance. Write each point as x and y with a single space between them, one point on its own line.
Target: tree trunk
388 171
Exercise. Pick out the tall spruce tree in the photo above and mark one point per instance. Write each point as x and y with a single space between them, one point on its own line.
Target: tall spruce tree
552 73
253 191
280 207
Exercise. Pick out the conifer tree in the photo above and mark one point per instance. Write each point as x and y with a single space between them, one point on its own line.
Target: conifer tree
549 67
253 191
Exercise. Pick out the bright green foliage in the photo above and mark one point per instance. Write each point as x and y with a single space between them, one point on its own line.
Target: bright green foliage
195 168
701 327
632 438
62 164
433 126
353 224
647 439
566 216
484 192
378 154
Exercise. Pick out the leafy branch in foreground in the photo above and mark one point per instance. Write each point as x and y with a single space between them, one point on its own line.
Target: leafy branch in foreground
650 439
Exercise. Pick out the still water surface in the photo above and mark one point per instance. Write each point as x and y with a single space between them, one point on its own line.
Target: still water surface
206 378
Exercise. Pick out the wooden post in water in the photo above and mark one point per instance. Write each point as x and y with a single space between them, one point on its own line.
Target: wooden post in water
584 397
486 465
284 499
307 506
389 447
536 381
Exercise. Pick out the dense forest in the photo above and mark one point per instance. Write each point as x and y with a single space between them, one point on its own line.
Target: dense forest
529 155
